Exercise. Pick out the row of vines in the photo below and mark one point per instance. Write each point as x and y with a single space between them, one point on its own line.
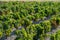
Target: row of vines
24 14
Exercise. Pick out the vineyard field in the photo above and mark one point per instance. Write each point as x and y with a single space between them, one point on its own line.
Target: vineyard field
29 20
